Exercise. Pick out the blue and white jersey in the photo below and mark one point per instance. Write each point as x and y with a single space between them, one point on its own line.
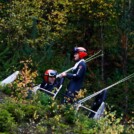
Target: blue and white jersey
77 76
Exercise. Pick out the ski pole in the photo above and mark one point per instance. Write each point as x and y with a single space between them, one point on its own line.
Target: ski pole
90 59
87 60
93 55
93 95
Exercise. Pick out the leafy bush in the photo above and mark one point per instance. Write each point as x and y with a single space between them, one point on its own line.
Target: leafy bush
7 89
7 122
44 98
14 108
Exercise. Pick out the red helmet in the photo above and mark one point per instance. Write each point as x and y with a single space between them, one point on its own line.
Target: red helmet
49 73
81 51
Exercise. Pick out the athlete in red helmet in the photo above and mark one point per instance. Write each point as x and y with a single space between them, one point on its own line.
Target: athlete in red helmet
79 70
49 76
49 80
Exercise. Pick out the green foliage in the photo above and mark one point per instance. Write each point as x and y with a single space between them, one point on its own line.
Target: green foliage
44 99
7 122
70 115
33 112
14 109
6 89
32 116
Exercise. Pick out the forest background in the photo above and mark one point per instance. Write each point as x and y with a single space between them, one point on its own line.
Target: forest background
39 35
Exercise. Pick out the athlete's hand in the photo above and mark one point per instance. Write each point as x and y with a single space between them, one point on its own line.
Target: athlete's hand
63 74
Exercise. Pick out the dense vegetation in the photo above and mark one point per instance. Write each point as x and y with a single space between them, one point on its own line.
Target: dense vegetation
38 35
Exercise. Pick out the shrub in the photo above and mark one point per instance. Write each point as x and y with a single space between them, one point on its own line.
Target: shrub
7 122
14 108
7 89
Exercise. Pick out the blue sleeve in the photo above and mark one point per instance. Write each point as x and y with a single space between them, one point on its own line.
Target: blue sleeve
58 82
42 84
79 72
